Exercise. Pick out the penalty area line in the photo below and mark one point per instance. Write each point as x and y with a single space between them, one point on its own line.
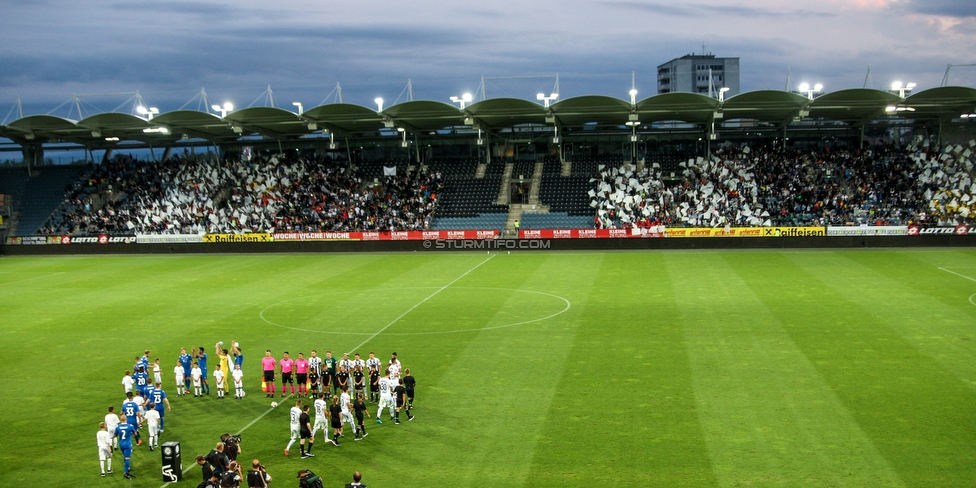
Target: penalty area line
411 309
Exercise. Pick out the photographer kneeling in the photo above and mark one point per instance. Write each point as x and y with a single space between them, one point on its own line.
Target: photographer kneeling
258 477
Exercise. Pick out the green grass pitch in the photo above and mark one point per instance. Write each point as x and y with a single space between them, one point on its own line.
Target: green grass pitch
645 369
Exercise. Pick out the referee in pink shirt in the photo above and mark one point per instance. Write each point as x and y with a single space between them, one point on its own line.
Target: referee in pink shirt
268 364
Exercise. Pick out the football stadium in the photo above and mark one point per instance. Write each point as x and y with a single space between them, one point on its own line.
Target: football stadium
769 290
702 287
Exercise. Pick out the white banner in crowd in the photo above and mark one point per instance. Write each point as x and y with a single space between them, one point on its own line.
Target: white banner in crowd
389 170
168 238
868 230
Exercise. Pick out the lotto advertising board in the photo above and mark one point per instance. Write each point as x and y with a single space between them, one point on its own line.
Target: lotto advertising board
958 230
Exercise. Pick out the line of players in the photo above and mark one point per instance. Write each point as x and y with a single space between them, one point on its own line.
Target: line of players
393 394
328 374
145 404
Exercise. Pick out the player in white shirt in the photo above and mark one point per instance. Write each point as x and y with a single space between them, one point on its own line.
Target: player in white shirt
157 372
238 376
346 403
315 363
152 423
128 382
197 375
386 397
112 421
219 380
104 440
321 417
178 372
394 368
358 363
295 415
347 363
141 402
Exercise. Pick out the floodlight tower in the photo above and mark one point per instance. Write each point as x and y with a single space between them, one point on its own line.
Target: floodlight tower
546 100
805 88
379 104
301 109
147 112
223 109
462 100
900 89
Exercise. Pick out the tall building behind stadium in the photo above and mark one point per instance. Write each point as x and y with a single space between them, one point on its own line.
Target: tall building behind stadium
699 73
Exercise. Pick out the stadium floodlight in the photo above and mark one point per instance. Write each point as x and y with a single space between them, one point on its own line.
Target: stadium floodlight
227 107
633 96
546 100
721 93
301 109
148 112
379 104
462 100
805 88
897 87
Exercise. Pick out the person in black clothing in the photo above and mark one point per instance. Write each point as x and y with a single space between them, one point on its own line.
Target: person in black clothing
257 476
313 383
217 459
205 467
305 432
342 379
410 383
335 415
327 380
359 381
400 393
361 412
374 384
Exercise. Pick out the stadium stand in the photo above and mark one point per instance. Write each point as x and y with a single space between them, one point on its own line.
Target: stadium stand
738 186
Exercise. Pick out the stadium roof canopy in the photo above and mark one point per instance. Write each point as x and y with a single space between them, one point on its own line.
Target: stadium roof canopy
853 106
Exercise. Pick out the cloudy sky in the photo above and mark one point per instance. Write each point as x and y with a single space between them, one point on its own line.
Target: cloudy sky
167 50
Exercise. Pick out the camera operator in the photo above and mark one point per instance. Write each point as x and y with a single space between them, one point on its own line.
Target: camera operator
218 459
258 477
232 445
232 477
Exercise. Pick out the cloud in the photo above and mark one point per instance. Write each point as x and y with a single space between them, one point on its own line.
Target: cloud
945 8
700 10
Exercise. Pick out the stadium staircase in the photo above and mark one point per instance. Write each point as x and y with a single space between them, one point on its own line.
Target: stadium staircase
469 200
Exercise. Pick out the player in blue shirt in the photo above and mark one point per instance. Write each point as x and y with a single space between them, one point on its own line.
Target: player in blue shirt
125 431
130 410
186 360
238 355
144 360
158 398
142 380
201 358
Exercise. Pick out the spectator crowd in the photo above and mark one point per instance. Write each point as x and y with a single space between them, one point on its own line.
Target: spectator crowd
742 186
283 193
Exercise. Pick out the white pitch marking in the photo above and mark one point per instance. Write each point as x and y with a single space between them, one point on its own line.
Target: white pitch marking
34 278
411 309
958 274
